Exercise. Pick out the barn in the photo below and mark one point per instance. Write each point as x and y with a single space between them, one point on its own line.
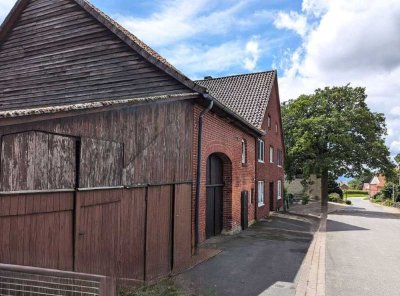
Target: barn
115 166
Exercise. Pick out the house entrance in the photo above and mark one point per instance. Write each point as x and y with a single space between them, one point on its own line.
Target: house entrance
214 197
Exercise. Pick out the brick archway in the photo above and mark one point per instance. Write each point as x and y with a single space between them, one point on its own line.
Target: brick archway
226 192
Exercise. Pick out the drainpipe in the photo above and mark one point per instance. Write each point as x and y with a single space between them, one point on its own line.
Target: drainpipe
198 174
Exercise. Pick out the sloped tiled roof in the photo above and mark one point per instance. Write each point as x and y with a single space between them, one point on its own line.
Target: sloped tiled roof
247 94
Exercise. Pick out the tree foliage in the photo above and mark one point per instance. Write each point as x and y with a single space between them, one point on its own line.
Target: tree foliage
334 132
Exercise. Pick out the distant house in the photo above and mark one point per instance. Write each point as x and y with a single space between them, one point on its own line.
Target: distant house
311 187
343 185
375 185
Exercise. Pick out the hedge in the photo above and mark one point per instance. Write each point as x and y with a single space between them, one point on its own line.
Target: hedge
361 192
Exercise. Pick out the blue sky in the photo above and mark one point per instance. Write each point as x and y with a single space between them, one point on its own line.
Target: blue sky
312 43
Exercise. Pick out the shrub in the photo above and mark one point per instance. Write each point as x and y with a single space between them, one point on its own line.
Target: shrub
335 197
305 199
348 202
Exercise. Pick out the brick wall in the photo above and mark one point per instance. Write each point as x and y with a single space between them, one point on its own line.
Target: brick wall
271 172
222 137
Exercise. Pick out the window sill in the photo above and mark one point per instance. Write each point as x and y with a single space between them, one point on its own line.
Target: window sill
279 197
279 166
260 205
261 161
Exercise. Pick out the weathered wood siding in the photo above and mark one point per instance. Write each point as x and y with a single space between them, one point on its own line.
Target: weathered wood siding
37 161
57 53
136 145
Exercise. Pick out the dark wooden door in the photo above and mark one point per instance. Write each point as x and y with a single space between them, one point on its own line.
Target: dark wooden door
214 206
271 196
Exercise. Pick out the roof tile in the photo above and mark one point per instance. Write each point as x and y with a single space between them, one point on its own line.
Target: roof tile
246 94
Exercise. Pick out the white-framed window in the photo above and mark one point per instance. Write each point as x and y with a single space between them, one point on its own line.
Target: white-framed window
260 193
279 158
279 189
243 151
261 150
271 154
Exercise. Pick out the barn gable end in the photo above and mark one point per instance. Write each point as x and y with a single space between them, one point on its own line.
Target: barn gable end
57 52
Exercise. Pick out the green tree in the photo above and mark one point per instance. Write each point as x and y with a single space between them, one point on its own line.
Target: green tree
334 132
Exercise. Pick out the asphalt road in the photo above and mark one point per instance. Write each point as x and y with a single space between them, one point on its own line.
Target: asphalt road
264 258
363 251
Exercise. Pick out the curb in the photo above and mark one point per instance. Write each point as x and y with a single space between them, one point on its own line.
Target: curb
311 277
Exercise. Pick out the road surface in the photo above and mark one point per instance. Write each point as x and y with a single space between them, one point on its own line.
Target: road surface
363 251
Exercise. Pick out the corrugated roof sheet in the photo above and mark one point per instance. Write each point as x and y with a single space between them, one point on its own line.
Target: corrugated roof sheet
247 94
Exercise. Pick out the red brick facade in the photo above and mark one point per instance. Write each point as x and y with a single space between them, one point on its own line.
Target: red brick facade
269 172
225 139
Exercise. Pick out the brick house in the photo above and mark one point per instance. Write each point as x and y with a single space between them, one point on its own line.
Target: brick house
375 185
100 168
255 97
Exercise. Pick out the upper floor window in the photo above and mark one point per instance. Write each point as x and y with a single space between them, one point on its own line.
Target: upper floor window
261 150
271 154
269 121
279 158
244 152
276 128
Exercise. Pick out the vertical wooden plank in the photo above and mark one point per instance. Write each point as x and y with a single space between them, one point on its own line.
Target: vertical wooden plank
159 232
182 226
62 165
38 155
101 163
133 214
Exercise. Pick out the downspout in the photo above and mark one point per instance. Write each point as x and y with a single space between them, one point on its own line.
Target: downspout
198 174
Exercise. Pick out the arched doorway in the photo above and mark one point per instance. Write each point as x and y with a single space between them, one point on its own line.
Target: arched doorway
214 196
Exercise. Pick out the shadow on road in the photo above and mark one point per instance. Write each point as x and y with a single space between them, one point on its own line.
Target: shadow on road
339 226
368 214
254 260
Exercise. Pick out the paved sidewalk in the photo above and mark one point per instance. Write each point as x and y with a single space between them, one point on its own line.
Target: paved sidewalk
313 209
311 279
265 258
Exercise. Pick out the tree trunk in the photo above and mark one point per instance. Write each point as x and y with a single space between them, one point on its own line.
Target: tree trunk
324 189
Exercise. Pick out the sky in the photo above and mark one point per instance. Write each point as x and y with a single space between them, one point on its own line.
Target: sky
312 43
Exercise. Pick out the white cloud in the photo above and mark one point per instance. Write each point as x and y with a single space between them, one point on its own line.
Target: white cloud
253 54
353 41
292 21
5 7
195 59
395 147
181 19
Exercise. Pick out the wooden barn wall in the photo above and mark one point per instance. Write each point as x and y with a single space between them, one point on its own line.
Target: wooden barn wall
57 53
36 230
140 233
137 145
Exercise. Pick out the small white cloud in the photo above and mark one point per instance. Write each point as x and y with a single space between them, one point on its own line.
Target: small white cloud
292 21
315 7
5 7
395 147
395 111
178 20
253 54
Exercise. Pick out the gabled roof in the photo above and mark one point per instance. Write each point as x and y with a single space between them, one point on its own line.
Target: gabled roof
131 40
247 94
137 46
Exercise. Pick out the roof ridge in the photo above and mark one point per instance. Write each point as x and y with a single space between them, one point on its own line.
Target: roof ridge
239 75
